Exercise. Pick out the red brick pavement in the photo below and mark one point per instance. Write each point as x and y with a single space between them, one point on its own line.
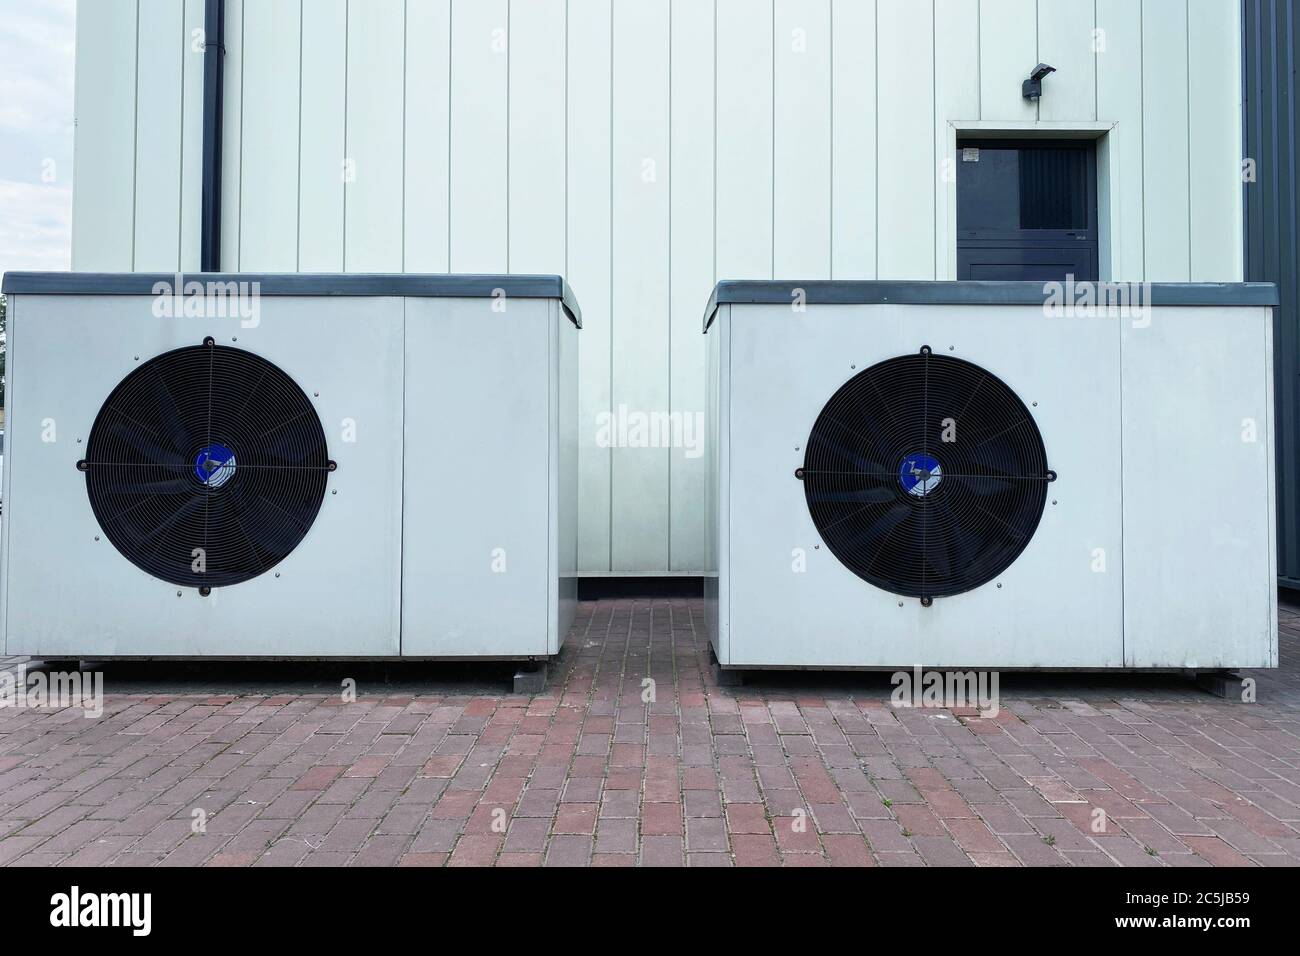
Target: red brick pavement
795 769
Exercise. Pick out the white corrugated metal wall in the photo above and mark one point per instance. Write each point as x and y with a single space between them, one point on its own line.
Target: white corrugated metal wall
643 148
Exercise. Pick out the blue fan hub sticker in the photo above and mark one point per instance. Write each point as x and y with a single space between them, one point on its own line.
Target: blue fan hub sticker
920 474
214 465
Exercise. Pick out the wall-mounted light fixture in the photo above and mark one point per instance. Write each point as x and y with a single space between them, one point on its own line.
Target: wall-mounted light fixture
1032 88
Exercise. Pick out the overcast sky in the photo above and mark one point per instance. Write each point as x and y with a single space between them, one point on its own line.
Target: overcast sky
36 70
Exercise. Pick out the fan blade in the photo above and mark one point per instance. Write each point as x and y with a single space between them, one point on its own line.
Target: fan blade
290 448
239 547
172 418
144 486
933 543
188 508
266 525
1002 457
984 486
876 495
135 436
879 530
956 537
839 451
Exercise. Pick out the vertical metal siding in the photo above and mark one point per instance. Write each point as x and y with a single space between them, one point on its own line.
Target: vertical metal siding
645 148
1271 253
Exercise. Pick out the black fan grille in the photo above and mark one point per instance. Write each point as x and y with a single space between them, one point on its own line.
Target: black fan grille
206 448
926 475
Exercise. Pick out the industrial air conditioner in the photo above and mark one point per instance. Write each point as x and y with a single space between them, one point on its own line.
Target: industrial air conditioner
231 466
992 475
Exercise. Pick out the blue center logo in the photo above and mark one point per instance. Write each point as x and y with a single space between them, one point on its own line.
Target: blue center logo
920 474
214 465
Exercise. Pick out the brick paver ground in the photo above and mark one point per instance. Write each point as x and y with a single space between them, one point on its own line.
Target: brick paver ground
794 769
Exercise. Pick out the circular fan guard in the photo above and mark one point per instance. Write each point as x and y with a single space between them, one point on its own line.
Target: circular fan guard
206 466
925 475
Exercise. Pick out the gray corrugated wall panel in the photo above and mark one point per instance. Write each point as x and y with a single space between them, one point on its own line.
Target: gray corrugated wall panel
1272 251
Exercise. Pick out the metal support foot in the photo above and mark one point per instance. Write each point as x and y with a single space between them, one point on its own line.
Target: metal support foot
724 676
1226 684
56 664
530 678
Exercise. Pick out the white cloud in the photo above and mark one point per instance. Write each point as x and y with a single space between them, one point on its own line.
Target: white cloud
37 63
35 226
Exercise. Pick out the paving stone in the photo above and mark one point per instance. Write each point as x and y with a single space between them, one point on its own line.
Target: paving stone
793 771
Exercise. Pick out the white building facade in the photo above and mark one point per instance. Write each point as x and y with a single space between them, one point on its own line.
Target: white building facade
645 149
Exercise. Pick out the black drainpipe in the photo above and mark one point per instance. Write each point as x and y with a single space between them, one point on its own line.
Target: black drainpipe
214 52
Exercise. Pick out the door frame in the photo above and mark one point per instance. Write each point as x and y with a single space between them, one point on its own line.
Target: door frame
1111 238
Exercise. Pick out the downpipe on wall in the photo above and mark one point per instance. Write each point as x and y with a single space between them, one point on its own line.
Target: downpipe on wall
214 54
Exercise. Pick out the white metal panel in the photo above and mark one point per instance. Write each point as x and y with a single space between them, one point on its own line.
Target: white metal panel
335 594
321 158
475 545
639 282
1197 489
191 211
691 273
801 173
537 135
232 154
588 265
744 139
161 48
1214 147
373 200
1065 41
11 324
563 572
1270 405
905 156
956 98
853 139
268 184
717 497
478 208
1165 127
427 136
1120 164
1008 41
103 200
1052 608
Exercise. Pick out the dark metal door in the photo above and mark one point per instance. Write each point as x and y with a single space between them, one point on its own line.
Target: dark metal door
1027 209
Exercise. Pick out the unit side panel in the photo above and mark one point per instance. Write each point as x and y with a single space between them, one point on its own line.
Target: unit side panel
564 493
1197 522
475 539
716 581
11 325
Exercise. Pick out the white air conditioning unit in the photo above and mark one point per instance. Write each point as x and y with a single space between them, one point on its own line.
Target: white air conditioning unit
229 466
992 475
